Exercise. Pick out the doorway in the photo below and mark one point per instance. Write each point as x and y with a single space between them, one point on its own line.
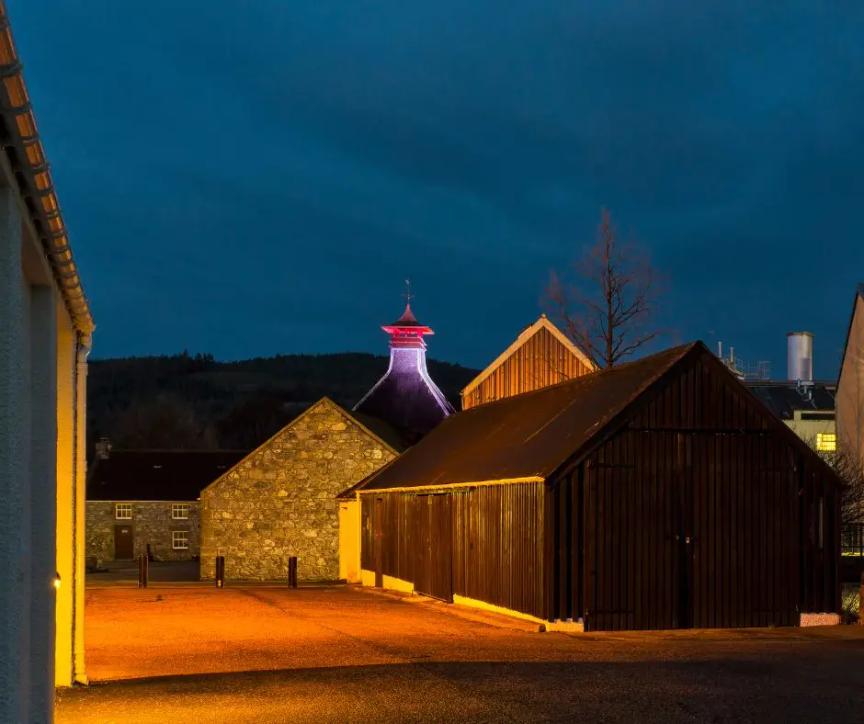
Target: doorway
377 535
124 543
435 546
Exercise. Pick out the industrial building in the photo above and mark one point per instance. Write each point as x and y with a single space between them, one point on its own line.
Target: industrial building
806 405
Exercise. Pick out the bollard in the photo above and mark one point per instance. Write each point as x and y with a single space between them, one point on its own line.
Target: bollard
142 571
220 571
292 572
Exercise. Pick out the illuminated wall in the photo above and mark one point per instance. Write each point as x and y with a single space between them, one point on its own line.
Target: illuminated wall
70 491
280 500
850 389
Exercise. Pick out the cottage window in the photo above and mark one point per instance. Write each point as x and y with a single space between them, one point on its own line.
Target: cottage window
180 540
123 511
826 442
180 511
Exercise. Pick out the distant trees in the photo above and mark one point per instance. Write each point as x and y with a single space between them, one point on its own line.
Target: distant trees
608 308
187 401
165 422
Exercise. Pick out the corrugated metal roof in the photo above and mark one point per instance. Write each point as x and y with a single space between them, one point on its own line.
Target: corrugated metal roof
158 474
528 435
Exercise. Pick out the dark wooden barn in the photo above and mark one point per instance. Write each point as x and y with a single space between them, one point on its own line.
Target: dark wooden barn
660 494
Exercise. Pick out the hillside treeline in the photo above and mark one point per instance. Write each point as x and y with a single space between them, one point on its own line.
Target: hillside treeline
195 402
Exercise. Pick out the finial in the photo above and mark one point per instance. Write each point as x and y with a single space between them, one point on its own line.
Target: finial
408 295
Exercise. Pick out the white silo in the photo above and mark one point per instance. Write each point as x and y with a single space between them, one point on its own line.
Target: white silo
799 356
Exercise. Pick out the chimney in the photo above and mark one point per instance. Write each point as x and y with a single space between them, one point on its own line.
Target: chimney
102 448
799 356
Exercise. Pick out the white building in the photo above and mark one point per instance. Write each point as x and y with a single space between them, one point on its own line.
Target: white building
45 329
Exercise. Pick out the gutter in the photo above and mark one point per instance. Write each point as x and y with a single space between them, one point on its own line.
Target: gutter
20 140
82 349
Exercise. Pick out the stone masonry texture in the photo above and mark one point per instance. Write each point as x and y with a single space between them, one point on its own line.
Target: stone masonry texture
280 501
151 523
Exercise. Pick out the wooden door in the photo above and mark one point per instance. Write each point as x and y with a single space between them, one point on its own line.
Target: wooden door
435 546
377 534
441 554
124 544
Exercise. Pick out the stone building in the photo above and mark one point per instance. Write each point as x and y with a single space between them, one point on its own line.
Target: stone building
45 336
146 501
280 500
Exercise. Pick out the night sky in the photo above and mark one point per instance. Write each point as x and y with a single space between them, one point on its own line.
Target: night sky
259 178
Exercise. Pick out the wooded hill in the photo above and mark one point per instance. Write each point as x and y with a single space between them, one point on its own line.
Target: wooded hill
195 402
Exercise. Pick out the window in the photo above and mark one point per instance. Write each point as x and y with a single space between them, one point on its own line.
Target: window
822 416
826 442
123 511
180 511
180 540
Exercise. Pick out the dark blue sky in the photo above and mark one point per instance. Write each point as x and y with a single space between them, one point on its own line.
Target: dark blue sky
256 178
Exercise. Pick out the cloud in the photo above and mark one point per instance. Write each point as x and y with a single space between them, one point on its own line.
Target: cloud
314 154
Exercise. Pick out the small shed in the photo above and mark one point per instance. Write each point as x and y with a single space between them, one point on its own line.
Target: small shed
659 494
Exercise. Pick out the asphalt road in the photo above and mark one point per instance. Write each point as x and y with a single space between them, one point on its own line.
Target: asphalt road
342 654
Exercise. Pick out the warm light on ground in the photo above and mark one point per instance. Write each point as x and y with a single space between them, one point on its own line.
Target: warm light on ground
341 654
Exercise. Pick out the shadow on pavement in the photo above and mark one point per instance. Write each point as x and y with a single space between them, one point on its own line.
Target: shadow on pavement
764 688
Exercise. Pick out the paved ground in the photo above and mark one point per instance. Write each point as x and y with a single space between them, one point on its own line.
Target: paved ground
342 654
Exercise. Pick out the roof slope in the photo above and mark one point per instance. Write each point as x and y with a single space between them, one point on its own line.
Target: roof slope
409 402
157 474
528 435
784 398
392 444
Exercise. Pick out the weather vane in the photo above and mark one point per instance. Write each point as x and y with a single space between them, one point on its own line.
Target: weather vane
408 295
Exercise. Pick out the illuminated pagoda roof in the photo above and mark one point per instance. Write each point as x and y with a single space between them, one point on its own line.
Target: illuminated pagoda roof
406 397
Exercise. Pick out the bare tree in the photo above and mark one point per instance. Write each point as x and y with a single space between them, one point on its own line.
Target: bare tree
608 309
849 469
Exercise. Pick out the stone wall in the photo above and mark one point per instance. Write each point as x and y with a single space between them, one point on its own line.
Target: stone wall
280 500
151 523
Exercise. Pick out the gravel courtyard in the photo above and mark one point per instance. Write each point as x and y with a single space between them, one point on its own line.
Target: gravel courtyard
344 654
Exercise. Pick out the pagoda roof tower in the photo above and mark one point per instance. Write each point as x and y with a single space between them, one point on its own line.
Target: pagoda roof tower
406 397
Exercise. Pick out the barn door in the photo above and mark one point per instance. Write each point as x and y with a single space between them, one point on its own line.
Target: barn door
634 553
442 547
377 535
435 546
744 524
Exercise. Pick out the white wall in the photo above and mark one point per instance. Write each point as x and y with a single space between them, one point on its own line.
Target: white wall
15 430
30 478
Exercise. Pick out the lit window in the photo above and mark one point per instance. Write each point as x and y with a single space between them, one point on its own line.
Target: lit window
123 511
826 442
180 511
180 540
